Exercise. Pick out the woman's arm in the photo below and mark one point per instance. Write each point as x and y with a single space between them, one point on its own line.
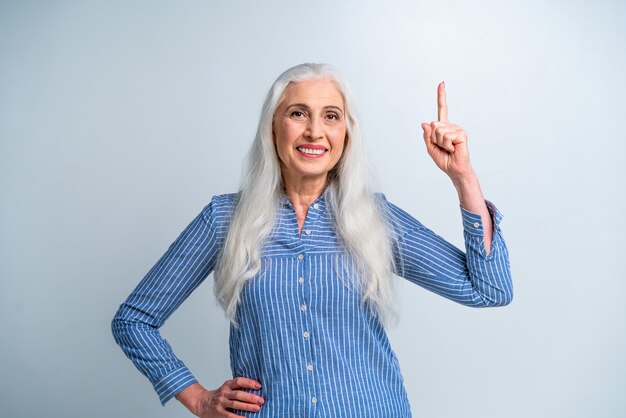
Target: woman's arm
136 324
188 261
479 277
473 278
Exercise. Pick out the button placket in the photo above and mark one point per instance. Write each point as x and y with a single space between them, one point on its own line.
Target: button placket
310 220
305 323
303 306
303 262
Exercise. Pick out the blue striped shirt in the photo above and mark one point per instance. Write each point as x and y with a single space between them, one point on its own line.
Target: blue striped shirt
303 333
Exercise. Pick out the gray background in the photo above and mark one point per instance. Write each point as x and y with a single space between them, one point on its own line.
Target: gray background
119 120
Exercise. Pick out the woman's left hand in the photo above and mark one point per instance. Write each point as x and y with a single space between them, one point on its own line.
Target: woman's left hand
446 142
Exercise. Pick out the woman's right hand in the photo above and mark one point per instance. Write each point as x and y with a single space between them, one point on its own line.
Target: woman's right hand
218 403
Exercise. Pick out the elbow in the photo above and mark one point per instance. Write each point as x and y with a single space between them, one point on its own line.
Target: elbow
493 300
120 326
507 298
129 323
503 298
116 327
507 292
500 293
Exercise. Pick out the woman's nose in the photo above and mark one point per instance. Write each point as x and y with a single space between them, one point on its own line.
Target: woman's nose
314 129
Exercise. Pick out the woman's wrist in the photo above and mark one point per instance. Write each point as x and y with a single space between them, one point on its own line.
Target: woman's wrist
470 194
465 183
190 397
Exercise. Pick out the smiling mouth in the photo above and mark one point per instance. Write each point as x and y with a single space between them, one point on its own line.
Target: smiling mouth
311 151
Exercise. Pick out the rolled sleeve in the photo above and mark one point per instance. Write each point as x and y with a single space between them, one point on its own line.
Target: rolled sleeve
490 273
474 232
171 384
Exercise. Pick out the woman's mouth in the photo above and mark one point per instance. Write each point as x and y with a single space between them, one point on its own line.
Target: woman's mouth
312 152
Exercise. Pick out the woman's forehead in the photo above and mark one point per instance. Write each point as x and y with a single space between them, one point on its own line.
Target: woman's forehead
316 92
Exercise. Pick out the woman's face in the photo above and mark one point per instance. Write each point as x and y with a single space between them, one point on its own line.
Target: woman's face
309 130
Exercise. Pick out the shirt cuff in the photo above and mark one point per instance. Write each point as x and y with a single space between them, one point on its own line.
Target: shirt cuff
473 223
170 385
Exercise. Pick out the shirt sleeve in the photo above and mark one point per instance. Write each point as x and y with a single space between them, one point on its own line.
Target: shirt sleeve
473 278
187 262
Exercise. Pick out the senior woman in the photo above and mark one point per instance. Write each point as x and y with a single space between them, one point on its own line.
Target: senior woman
303 259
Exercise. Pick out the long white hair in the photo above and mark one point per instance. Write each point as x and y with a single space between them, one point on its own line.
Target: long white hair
358 218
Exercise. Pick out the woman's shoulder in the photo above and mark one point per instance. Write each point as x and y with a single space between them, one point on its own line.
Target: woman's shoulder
398 219
228 200
219 211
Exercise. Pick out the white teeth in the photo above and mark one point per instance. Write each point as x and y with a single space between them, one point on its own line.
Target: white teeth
311 151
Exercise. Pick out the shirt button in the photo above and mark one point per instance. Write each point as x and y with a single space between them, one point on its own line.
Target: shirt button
476 224
301 280
303 307
313 400
301 257
316 206
305 334
308 232
309 367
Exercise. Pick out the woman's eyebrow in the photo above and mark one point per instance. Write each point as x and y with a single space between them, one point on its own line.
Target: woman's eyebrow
300 105
305 106
334 107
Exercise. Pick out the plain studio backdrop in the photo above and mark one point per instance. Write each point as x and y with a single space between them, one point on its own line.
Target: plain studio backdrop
119 121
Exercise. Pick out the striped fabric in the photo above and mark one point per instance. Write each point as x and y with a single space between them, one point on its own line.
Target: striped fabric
303 333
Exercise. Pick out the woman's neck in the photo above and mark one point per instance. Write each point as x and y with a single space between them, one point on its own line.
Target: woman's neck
302 194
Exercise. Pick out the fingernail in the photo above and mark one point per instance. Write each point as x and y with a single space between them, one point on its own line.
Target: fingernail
258 386
444 84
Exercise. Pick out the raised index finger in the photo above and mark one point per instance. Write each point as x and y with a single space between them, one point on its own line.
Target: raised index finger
442 105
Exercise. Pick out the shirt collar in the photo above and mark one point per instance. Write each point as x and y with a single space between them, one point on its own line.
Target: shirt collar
318 204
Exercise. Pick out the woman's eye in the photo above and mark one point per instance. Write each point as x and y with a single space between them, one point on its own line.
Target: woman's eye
297 114
333 116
